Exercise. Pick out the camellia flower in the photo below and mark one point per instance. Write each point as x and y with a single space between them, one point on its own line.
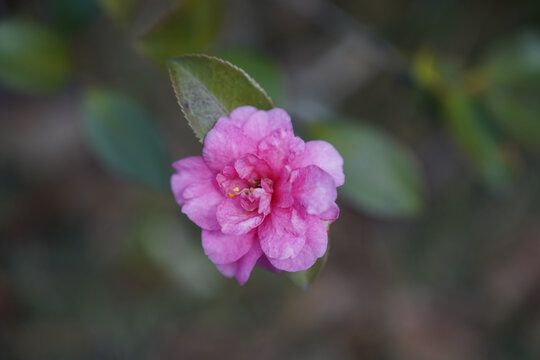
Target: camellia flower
261 195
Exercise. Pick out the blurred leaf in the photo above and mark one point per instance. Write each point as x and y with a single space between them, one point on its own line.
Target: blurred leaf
32 58
169 244
125 137
190 28
304 279
513 91
208 88
434 75
260 67
512 59
72 16
448 84
424 70
464 122
381 176
121 11
517 111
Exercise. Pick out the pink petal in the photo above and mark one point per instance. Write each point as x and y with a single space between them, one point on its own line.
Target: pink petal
241 114
330 214
251 167
314 248
195 190
262 123
202 210
313 188
228 270
296 149
223 249
225 143
325 156
265 200
274 148
234 219
279 119
191 170
256 126
282 234
282 189
242 268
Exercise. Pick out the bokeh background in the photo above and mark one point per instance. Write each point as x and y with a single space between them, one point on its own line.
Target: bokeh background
434 104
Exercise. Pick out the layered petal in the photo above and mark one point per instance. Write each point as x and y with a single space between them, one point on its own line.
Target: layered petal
236 220
314 248
261 123
282 235
313 188
261 195
274 148
202 210
283 189
279 119
195 190
241 269
228 181
323 155
189 171
251 167
223 249
225 143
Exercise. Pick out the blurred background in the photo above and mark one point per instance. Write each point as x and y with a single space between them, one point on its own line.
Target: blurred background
434 104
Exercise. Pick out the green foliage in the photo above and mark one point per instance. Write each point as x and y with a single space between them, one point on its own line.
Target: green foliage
121 11
465 124
190 28
32 58
381 176
512 71
454 92
125 138
516 58
208 88
169 244
260 67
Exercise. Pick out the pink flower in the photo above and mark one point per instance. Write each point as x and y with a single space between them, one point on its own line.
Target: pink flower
261 195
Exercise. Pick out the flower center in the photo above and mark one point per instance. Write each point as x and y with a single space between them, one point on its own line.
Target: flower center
264 184
236 191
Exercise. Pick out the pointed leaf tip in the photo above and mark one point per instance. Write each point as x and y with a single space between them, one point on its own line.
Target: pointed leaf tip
208 88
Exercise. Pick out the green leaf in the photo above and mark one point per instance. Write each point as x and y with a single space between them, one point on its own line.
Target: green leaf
190 28
121 11
516 58
260 67
517 111
381 177
474 138
32 58
208 88
125 138
304 279
513 93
